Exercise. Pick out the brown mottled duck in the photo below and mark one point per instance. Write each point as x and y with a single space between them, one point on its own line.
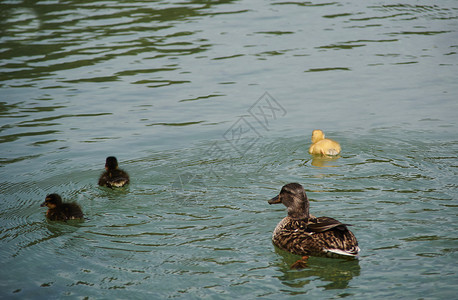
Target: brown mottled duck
303 234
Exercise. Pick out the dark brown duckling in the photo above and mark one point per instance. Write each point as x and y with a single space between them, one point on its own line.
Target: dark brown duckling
59 211
113 176
303 234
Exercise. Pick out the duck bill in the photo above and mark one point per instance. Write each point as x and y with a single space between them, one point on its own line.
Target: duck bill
274 200
43 204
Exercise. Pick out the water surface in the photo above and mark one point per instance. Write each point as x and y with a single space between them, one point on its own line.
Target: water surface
210 107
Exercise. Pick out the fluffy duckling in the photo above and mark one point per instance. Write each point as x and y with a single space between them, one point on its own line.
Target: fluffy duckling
59 211
323 146
303 234
113 176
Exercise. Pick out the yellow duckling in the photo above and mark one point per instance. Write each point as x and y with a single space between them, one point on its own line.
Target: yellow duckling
322 146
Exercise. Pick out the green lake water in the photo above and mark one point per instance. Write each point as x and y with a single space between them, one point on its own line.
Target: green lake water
210 106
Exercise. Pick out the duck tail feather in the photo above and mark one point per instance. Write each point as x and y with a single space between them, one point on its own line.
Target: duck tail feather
352 252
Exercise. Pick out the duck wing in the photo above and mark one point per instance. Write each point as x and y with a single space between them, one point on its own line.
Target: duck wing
104 178
334 236
341 242
117 182
72 211
323 224
56 215
315 236
293 236
118 178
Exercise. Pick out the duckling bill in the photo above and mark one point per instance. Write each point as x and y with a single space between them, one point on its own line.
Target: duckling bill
113 176
60 211
304 234
322 146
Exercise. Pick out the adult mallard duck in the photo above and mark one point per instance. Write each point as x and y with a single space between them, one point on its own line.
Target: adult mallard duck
59 211
113 176
323 146
303 234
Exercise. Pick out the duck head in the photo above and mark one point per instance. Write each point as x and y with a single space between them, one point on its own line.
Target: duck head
317 135
111 163
293 196
52 201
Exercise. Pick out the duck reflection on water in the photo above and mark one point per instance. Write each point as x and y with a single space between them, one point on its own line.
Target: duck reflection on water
334 273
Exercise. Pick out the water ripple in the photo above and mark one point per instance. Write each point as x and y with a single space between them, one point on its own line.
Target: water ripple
158 85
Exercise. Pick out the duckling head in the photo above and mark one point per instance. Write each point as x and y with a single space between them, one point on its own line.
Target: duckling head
317 135
293 196
52 201
111 163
